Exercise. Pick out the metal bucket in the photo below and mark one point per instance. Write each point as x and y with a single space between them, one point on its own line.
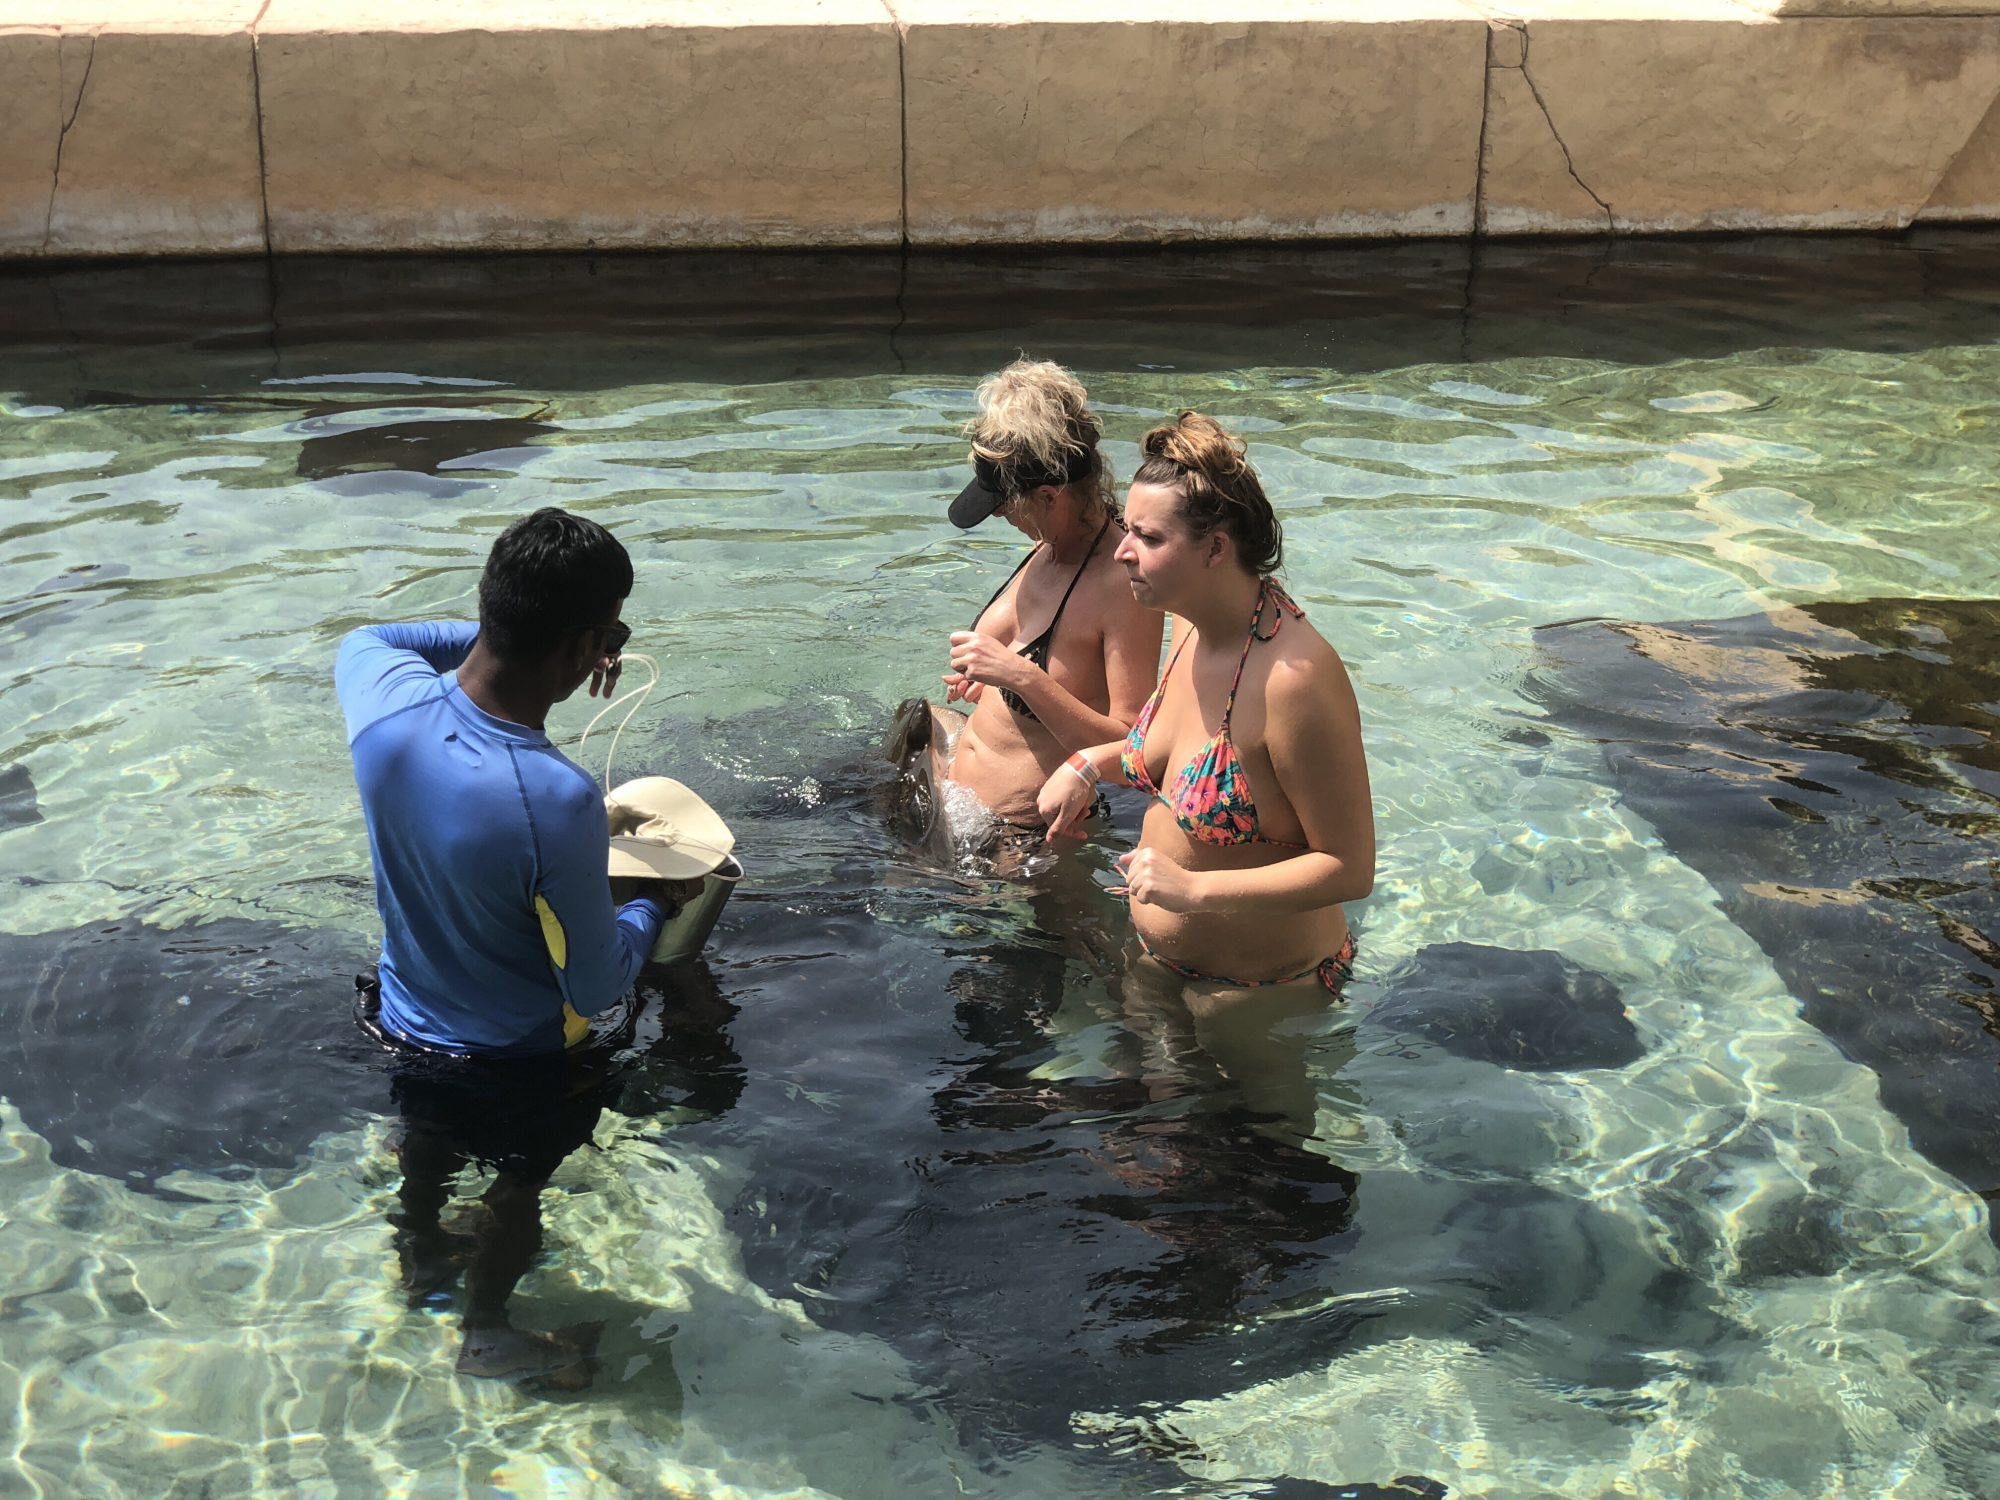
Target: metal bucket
687 929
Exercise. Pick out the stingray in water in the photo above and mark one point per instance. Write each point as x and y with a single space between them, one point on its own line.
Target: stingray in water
1834 772
18 806
919 747
416 447
1043 1236
1531 1011
139 1051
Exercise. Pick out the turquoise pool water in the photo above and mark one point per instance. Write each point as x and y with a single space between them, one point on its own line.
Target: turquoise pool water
906 1195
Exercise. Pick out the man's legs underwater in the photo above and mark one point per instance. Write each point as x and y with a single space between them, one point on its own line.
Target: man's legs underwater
507 1241
521 1119
430 1255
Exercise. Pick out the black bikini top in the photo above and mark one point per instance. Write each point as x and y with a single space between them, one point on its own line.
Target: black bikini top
1037 650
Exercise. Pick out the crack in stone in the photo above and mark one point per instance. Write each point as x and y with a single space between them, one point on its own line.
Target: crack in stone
1610 223
257 99
1965 145
902 115
1479 161
903 126
1473 240
55 182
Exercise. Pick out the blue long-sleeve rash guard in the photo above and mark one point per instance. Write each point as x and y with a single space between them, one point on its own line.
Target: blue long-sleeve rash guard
489 848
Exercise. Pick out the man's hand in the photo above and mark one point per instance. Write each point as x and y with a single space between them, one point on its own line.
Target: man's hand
672 894
604 676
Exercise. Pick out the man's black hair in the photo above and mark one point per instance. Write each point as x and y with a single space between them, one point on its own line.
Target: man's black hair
549 574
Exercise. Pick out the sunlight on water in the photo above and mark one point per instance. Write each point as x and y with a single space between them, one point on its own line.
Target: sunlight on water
1721 1269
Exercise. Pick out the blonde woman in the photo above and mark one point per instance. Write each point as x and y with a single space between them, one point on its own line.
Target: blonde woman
1062 656
1261 824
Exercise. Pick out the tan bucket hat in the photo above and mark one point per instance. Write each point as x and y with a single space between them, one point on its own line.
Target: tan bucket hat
662 831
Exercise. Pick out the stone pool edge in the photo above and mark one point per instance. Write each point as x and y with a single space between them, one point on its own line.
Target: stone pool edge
249 127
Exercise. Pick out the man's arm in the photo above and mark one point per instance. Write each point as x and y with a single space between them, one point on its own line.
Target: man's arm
382 668
595 951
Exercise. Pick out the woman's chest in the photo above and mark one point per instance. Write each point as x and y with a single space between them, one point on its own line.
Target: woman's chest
1199 740
1028 608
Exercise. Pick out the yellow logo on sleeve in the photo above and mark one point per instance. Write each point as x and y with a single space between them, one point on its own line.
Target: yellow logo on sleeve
575 1027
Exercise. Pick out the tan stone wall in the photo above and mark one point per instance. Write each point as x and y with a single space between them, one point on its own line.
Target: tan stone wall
632 125
237 126
1123 120
136 135
1714 120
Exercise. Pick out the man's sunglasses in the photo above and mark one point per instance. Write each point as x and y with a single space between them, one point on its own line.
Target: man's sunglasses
615 637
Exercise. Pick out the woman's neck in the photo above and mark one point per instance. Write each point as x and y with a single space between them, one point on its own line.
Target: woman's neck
1223 610
1073 530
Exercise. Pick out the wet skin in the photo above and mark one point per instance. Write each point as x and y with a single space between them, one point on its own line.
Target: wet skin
1101 665
1297 734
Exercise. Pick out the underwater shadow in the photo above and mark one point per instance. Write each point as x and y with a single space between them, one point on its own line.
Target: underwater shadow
139 1051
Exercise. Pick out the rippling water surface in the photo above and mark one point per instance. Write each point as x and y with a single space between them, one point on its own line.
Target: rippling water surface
1644 1157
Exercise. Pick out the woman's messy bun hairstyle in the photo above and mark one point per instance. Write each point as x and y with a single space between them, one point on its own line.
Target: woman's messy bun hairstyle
1035 417
1208 467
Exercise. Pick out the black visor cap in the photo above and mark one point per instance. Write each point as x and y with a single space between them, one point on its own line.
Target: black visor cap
994 484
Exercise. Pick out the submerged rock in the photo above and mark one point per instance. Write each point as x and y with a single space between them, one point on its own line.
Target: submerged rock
1834 772
1532 1011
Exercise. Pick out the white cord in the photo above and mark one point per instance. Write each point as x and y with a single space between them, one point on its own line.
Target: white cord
642 693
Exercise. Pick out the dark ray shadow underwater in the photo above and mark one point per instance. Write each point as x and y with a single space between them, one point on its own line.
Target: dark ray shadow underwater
1056 1193
140 1051
1055 1198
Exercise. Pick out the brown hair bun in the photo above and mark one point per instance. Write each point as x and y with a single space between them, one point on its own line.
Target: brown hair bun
1208 466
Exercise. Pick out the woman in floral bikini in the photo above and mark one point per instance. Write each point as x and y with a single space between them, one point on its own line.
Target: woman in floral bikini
1261 824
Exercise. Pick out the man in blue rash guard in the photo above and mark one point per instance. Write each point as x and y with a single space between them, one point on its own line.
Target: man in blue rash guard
500 937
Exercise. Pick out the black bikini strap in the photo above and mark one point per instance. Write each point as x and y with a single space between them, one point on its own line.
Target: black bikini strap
1075 579
1078 578
1003 587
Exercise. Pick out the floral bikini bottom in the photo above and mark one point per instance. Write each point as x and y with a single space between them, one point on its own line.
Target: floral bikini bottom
1332 972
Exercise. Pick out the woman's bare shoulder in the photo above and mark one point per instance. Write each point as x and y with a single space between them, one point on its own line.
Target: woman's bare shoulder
1306 671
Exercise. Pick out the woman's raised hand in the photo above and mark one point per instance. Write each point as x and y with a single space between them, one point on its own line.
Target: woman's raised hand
982 660
958 686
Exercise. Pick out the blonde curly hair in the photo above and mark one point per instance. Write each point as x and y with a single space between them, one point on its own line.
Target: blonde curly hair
1036 414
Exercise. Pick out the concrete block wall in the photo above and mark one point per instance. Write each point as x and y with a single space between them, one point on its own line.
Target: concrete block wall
150 127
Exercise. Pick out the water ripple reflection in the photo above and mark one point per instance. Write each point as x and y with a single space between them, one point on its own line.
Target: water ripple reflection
910 1190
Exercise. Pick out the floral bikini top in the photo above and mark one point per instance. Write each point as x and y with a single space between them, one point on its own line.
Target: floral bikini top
1210 798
